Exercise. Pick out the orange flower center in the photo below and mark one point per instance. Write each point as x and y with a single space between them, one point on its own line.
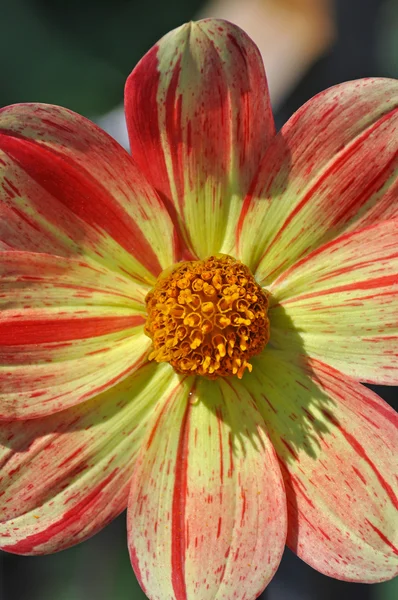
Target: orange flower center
207 317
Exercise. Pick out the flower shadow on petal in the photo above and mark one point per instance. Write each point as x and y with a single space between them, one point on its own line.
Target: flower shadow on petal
280 398
282 388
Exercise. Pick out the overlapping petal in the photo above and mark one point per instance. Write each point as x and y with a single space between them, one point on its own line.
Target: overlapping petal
199 121
331 168
69 329
337 445
340 304
207 513
66 476
67 188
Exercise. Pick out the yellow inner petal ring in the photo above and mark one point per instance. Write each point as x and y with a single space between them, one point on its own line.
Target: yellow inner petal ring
207 317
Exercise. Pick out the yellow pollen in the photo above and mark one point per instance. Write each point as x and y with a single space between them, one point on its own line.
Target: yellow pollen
207 317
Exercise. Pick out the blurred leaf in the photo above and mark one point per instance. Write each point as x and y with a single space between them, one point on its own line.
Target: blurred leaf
387 590
387 39
79 53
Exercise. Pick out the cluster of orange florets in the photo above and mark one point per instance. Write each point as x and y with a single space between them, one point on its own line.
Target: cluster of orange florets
207 317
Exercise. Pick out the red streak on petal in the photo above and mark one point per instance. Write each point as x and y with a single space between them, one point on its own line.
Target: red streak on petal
76 189
383 537
290 449
71 456
38 331
136 566
219 421
359 474
174 130
333 168
219 526
362 453
231 455
377 282
243 508
178 543
69 517
324 534
141 94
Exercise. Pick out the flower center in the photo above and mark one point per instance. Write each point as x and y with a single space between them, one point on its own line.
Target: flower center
207 317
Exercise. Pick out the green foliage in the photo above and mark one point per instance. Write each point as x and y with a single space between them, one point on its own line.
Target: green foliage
79 53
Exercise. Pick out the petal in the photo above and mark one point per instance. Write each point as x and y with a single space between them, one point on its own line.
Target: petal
67 188
337 445
342 302
207 513
65 477
68 330
332 167
199 121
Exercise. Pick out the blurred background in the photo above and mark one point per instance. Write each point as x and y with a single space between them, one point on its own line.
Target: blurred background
78 53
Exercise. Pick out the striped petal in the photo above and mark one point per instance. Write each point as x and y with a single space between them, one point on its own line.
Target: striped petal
207 513
331 168
65 477
69 329
67 188
199 121
337 445
340 304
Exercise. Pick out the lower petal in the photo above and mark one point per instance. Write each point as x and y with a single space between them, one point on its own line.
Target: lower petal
337 445
65 477
207 513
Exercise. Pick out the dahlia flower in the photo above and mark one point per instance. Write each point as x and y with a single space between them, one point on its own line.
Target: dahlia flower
184 332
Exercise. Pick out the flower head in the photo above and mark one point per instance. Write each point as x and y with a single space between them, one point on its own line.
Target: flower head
184 331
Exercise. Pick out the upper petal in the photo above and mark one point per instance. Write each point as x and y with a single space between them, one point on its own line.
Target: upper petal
332 167
64 477
207 512
67 188
340 304
337 445
199 121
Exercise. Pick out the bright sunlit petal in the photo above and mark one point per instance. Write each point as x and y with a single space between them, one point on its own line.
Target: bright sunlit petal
207 512
68 330
199 121
68 188
332 167
340 304
66 476
337 444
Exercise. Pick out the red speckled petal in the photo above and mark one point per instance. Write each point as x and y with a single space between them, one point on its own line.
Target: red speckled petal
337 445
207 511
67 188
69 329
65 477
199 121
342 299
332 168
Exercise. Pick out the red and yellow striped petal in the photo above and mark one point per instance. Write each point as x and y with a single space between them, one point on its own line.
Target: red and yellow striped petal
65 477
337 445
199 121
207 512
340 304
331 168
69 330
67 188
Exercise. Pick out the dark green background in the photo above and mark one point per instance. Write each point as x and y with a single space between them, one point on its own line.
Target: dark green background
78 53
